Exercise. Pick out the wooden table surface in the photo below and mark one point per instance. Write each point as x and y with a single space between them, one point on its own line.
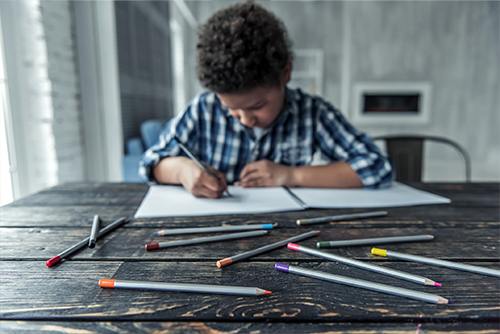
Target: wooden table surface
67 299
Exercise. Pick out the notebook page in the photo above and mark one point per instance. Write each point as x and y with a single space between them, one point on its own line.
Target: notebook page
175 201
396 195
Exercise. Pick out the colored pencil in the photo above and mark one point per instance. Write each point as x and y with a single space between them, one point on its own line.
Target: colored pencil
364 265
182 287
94 230
441 263
228 260
216 229
157 245
372 241
56 259
341 217
196 160
427 297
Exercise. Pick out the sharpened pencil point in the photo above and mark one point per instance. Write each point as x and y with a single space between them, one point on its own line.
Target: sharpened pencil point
437 284
442 300
451 302
267 292
156 233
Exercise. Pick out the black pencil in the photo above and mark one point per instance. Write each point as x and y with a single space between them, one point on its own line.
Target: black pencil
56 259
94 230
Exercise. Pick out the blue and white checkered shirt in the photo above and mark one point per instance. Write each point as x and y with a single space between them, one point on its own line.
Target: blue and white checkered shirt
306 125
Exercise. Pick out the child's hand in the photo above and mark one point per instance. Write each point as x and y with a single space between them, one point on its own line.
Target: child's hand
264 173
200 183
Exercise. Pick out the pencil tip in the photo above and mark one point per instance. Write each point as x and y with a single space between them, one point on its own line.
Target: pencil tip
156 233
266 292
437 284
451 302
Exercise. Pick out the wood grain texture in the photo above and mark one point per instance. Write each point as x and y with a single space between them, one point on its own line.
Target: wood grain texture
128 244
183 327
71 291
67 299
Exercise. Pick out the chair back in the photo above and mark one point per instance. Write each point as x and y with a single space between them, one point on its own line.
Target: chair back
406 153
150 132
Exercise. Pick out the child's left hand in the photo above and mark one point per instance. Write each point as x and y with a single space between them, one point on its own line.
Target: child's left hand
264 173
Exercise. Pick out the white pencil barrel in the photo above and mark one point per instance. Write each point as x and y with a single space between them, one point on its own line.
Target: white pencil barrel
447 264
385 240
363 265
366 285
210 239
212 229
342 217
230 290
278 244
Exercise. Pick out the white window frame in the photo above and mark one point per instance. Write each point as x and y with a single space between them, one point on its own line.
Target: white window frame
100 98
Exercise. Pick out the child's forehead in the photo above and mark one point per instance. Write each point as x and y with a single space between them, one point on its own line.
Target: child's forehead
246 99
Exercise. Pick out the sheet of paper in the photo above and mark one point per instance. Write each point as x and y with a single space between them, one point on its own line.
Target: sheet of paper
172 201
396 195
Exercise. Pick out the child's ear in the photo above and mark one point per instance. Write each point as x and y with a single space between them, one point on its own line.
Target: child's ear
287 72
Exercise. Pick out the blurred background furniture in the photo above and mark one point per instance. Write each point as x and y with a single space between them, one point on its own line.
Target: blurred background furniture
150 131
406 153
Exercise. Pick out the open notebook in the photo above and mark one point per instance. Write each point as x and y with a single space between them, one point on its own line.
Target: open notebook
172 201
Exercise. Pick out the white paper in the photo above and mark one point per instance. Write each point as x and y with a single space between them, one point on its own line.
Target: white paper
175 201
396 195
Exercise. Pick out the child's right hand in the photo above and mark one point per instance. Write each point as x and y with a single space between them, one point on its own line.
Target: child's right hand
201 184
182 170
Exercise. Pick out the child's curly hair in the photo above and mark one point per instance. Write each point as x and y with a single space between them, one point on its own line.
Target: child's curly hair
242 47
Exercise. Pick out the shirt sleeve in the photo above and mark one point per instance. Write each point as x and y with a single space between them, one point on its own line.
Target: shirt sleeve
184 125
338 140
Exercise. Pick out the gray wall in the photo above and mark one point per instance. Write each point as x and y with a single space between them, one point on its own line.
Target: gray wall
452 45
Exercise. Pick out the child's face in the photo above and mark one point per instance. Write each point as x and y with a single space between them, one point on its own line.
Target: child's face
256 108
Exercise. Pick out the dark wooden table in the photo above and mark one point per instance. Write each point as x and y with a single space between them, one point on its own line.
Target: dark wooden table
67 298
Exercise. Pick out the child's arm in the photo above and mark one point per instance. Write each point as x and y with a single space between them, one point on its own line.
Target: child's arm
182 170
265 173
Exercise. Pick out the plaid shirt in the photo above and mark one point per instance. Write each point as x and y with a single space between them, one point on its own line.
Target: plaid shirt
306 125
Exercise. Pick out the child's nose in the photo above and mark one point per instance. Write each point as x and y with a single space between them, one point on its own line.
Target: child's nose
247 119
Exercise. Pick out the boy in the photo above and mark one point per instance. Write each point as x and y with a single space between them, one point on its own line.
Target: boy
251 129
